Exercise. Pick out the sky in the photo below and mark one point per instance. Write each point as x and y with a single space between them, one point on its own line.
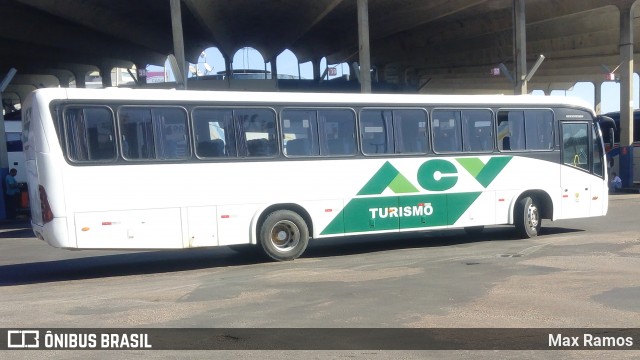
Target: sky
287 63
610 94
249 58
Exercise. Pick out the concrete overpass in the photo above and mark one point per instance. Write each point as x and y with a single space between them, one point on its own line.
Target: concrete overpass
450 45
436 46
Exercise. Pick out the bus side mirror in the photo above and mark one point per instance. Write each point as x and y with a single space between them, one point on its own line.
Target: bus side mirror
611 139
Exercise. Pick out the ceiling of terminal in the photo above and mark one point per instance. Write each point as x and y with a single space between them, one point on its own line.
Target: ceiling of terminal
431 46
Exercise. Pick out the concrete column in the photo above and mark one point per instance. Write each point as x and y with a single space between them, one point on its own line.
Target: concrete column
105 74
519 47
626 92
141 74
597 97
228 64
363 45
626 76
65 80
178 43
316 69
63 76
274 68
80 79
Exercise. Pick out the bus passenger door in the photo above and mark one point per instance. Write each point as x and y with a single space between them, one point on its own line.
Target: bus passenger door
575 171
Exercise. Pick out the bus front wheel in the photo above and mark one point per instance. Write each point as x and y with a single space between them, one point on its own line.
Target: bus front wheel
527 218
284 235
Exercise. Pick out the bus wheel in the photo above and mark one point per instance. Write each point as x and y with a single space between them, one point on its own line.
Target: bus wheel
527 218
284 235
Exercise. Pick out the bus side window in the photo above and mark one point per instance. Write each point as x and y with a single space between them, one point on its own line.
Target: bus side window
445 125
478 130
374 128
299 132
539 129
136 127
411 131
337 131
214 133
89 134
257 131
171 133
511 130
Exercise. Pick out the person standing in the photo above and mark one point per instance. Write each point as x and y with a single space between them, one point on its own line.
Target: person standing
12 190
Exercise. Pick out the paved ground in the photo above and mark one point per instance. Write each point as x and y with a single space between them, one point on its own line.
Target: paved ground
579 273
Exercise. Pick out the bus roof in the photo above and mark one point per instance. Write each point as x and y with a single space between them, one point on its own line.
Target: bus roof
188 96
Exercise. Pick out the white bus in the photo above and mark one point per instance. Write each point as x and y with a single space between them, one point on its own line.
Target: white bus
161 169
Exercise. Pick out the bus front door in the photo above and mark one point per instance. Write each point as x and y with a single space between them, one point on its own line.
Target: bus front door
574 173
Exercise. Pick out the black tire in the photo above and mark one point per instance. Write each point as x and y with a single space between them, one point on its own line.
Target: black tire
284 235
527 218
474 230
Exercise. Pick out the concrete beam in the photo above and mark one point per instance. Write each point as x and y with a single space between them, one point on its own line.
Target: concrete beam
63 36
363 40
626 75
519 47
178 44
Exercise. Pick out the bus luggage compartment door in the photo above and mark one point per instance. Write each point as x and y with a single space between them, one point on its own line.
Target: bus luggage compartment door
129 229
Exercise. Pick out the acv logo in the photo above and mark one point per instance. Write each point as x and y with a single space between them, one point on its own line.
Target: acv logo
434 175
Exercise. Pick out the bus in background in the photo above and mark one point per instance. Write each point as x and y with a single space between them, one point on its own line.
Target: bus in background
161 169
13 133
612 152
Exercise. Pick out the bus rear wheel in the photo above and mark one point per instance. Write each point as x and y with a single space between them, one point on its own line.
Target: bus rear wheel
284 235
527 218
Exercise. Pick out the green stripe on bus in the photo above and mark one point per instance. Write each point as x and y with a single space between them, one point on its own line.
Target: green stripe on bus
400 212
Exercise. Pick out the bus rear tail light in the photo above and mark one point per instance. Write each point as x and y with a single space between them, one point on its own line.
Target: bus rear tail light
47 214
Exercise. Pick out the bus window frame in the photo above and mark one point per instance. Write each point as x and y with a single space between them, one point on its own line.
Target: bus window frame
493 132
462 137
193 139
322 131
61 117
314 132
392 137
241 142
555 124
151 107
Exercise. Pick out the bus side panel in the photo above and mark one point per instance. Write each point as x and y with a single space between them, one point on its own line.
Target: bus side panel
504 200
477 214
202 226
234 223
129 229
